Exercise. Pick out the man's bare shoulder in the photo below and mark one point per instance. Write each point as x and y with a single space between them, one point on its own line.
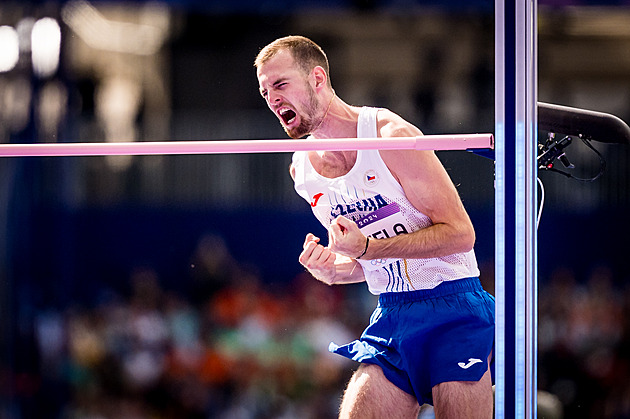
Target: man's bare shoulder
391 124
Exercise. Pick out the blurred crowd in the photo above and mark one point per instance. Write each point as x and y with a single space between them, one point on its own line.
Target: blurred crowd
234 347
237 346
584 342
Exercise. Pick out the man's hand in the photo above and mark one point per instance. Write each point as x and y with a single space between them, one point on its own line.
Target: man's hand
345 238
318 260
329 266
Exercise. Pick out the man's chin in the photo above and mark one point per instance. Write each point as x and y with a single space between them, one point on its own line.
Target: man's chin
296 133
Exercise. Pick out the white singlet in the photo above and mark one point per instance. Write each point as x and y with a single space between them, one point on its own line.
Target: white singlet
370 196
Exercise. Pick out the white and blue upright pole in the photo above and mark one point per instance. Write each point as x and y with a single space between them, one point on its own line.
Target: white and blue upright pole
515 207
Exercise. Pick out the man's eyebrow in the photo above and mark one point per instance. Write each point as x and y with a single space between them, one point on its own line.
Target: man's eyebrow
274 84
279 81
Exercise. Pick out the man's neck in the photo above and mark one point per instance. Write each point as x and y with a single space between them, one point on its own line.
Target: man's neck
340 121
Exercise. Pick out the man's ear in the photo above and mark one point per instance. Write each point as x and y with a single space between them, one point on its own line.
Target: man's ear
319 76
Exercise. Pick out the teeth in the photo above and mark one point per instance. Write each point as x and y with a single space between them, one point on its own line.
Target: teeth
287 115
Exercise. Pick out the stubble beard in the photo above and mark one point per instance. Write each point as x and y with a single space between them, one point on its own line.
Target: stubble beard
307 118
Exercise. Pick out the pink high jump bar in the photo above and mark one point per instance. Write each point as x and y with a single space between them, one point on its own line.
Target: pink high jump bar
426 142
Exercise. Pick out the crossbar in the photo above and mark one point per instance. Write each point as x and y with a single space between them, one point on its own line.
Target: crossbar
426 142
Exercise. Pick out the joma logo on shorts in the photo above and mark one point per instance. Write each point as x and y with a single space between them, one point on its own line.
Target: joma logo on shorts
471 362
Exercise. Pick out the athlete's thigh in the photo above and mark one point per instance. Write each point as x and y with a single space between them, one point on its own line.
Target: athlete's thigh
464 399
371 395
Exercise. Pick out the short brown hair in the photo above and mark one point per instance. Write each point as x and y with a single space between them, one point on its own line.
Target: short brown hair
306 53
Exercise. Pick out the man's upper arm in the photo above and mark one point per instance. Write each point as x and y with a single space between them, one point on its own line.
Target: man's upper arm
426 184
422 177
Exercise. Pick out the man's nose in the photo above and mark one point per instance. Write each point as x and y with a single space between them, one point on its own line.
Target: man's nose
273 98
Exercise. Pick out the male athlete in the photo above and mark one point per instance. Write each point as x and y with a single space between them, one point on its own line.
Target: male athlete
394 220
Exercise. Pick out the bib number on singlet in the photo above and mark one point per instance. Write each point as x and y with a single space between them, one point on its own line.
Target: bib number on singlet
380 224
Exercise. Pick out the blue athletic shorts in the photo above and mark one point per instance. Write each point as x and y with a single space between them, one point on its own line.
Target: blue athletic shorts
426 337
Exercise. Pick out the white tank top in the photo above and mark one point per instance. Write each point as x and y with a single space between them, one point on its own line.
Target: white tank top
370 196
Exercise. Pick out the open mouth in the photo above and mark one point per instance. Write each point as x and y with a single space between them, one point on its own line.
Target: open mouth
287 115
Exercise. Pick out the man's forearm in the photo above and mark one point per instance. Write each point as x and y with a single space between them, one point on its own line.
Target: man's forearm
437 240
346 271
